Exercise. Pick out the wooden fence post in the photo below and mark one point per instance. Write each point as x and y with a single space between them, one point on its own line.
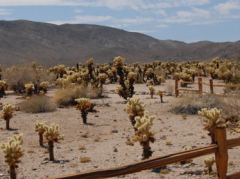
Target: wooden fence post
221 155
211 86
176 88
200 87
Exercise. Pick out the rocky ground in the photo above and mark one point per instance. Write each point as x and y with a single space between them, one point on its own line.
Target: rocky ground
104 140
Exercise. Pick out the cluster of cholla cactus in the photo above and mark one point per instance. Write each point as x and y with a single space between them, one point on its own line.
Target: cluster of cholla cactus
29 89
142 124
126 80
13 152
88 76
212 119
134 109
3 88
59 70
143 133
84 105
151 90
7 114
52 135
40 128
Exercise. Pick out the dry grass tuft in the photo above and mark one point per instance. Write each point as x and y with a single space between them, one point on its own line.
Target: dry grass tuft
37 104
67 96
191 104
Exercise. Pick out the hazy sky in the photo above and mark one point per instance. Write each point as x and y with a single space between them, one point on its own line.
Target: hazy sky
185 20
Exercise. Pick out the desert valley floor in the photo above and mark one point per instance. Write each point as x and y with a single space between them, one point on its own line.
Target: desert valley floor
104 140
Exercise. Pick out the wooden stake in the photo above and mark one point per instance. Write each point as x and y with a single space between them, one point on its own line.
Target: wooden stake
211 86
176 88
200 87
221 154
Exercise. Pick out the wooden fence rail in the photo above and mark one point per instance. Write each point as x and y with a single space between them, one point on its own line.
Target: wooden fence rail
219 147
200 87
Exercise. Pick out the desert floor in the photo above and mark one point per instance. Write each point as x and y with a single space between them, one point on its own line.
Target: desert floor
104 141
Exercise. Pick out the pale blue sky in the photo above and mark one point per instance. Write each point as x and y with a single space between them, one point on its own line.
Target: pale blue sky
184 20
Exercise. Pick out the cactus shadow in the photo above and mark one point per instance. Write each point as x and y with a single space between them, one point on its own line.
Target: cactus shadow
61 161
13 129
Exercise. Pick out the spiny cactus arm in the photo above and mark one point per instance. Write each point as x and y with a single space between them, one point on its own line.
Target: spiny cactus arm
52 133
13 150
212 118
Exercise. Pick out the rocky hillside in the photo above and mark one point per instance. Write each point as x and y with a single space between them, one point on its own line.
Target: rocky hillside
49 44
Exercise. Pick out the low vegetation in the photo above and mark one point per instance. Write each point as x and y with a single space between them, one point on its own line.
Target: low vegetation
38 104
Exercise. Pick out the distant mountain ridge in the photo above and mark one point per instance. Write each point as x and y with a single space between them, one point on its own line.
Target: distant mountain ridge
50 44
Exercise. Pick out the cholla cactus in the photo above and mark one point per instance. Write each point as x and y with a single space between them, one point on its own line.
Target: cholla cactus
44 86
29 87
118 61
102 77
7 114
40 128
143 134
134 108
209 163
3 88
84 105
52 134
127 88
160 93
151 90
131 79
212 118
13 152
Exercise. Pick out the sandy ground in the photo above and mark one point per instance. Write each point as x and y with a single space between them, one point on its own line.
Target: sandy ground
105 140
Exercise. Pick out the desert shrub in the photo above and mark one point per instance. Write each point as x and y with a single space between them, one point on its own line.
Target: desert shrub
231 106
191 104
17 76
37 104
67 96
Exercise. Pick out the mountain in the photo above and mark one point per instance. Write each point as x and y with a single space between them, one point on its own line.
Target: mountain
49 44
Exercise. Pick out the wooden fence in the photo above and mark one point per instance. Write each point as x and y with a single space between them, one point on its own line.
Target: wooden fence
200 87
220 146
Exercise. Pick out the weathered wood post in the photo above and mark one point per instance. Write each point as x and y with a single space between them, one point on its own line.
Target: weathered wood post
221 156
161 96
176 88
211 86
200 86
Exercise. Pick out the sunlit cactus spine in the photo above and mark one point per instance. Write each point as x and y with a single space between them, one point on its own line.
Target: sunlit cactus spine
151 90
143 134
134 108
84 105
3 88
52 135
212 120
7 114
40 128
29 88
13 152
